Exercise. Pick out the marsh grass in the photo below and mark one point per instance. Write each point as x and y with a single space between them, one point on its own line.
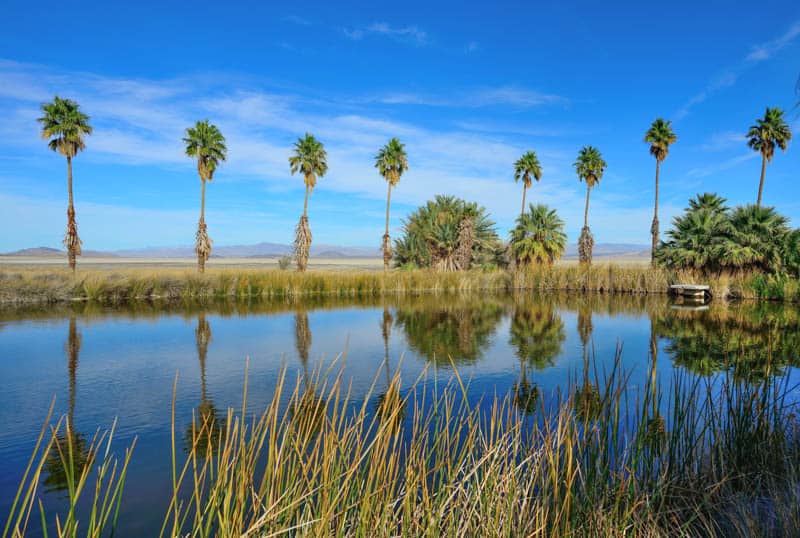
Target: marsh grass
51 285
711 457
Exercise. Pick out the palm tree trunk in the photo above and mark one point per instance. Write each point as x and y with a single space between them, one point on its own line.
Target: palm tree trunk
203 201
654 226
761 183
586 210
387 248
72 241
305 204
524 190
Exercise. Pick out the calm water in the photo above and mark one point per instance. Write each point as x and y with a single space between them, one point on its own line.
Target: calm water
106 363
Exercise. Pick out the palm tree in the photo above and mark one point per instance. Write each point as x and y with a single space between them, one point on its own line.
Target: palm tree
590 167
205 143
526 167
538 237
63 126
447 234
764 136
660 137
391 162
311 160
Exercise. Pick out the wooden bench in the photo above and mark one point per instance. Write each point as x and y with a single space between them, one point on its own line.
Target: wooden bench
693 291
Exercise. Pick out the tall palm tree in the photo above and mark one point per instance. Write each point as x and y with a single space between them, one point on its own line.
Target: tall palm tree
205 143
590 167
525 168
391 162
63 126
768 132
538 237
660 137
310 159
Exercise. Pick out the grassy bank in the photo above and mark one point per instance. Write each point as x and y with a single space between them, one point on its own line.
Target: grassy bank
45 285
599 460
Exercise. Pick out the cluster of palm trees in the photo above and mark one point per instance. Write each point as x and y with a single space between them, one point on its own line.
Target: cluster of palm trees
449 241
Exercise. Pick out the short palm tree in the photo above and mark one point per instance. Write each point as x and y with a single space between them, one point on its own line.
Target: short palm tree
311 160
769 132
63 126
590 167
660 137
525 168
391 162
205 143
538 237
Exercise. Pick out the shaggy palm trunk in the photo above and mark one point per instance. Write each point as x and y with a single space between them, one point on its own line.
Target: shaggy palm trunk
761 182
202 244
466 239
302 238
524 192
654 226
71 239
586 241
387 243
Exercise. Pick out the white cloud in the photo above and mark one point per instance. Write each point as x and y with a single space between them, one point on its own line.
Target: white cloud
765 51
501 96
716 168
759 53
724 140
410 34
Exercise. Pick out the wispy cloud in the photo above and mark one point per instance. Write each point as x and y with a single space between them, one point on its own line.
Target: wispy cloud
723 140
765 51
729 77
716 168
471 47
295 19
409 34
475 98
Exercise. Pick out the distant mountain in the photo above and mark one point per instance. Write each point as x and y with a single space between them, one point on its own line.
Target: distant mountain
611 250
275 250
258 250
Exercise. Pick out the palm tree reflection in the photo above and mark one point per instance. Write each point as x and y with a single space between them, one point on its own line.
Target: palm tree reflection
71 451
587 398
390 406
307 410
207 431
537 333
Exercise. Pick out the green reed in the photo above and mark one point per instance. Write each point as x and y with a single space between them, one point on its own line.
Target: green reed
699 457
54 285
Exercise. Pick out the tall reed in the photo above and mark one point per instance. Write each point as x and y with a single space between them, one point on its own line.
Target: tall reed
604 458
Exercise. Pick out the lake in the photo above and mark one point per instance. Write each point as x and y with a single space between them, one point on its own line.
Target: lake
103 363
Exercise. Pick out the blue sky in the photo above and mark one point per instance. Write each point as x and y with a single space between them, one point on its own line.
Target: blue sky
467 86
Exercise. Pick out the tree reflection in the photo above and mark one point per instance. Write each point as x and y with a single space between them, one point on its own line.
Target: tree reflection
452 327
537 333
207 432
753 341
390 406
307 410
587 397
72 451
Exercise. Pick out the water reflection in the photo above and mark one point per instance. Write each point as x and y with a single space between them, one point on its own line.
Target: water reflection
454 328
537 333
753 341
587 397
208 430
71 451
307 409
390 405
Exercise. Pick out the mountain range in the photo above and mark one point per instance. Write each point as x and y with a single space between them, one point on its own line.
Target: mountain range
274 250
